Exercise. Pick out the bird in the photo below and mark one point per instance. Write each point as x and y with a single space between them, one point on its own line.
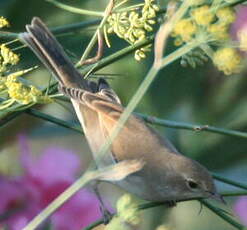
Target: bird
167 175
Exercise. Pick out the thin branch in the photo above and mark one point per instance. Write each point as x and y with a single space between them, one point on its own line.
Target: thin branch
9 117
228 181
60 122
94 224
75 9
148 205
221 214
108 10
237 193
116 56
56 30
193 127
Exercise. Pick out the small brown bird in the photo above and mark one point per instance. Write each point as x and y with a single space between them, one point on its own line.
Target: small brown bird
167 175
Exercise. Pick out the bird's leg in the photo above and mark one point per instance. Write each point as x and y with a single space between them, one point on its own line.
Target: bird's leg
107 215
171 203
99 51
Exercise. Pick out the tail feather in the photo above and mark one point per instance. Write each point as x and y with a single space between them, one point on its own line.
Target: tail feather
50 52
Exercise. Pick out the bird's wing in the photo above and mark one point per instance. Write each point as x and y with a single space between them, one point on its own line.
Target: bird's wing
134 133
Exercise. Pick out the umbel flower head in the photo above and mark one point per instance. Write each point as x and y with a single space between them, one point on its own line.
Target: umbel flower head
133 26
3 22
19 92
211 24
227 60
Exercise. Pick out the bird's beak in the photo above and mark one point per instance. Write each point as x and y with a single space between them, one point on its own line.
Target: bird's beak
218 197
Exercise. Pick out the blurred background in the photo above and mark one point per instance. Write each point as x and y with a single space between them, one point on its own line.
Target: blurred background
199 96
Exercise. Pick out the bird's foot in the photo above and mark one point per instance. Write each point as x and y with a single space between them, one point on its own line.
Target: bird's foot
171 203
106 214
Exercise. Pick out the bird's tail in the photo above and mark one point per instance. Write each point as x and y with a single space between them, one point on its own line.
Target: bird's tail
50 52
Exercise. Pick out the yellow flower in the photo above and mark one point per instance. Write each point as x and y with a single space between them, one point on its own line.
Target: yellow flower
227 60
219 31
3 22
133 26
19 92
24 94
242 37
127 209
8 56
226 15
185 29
202 15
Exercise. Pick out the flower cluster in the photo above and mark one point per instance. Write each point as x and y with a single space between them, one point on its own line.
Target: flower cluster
211 22
201 19
229 56
16 91
127 214
7 57
133 26
12 87
3 22
25 196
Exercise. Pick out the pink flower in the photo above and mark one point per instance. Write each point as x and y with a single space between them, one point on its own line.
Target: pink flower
240 208
240 23
43 180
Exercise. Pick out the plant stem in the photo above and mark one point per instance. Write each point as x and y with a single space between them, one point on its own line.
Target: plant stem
149 119
94 38
76 10
56 30
94 224
60 122
116 56
237 193
148 205
227 181
193 127
222 215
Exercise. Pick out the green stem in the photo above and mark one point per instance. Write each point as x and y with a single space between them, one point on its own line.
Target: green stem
193 127
76 10
56 30
237 193
149 119
232 4
93 39
148 205
222 215
74 26
227 181
54 120
179 53
6 117
116 56
129 8
94 224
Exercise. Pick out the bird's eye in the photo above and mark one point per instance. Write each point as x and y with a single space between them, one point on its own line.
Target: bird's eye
192 184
